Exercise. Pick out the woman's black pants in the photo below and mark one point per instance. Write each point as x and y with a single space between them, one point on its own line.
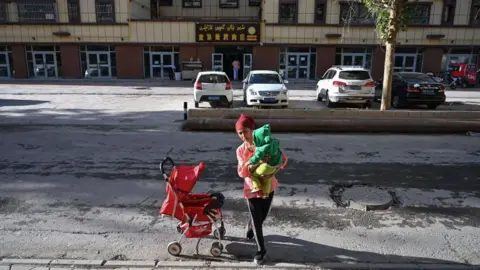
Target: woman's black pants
259 209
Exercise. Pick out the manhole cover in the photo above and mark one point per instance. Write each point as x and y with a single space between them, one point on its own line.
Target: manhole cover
367 198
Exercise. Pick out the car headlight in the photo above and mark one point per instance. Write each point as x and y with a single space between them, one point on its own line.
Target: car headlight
252 92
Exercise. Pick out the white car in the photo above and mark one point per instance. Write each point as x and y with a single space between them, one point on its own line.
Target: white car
265 88
213 87
346 84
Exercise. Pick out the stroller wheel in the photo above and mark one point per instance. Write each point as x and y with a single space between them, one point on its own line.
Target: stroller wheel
216 249
220 233
174 248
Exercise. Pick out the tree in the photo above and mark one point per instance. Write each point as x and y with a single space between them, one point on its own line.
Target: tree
392 16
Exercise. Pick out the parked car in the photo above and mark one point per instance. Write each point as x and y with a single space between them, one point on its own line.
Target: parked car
213 87
347 85
414 88
265 88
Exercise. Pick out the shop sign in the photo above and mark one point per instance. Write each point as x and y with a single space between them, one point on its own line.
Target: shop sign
227 32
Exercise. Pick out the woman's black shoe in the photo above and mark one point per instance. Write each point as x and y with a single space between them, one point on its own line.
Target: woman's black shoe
259 257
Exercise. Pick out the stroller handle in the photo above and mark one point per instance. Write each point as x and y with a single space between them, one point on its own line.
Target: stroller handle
162 167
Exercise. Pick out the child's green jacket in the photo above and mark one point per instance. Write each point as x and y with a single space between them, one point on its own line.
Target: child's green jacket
266 145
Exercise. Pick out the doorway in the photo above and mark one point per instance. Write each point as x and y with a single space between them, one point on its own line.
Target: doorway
405 62
224 56
4 65
353 59
159 62
98 64
45 65
298 65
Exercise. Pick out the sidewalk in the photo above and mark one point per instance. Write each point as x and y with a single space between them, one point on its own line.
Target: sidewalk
166 88
65 264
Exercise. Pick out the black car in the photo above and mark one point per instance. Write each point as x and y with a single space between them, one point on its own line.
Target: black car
414 88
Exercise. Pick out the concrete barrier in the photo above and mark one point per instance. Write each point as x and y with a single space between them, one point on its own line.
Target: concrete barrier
322 113
339 125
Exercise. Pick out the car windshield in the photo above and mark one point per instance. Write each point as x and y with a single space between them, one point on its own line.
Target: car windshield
264 78
213 78
417 77
354 75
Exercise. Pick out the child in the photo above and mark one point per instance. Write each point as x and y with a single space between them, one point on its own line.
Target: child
265 146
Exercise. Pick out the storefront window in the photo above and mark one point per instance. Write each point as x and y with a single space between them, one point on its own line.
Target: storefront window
459 55
6 62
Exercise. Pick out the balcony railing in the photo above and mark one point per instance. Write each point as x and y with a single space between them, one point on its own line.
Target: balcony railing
37 12
203 18
211 10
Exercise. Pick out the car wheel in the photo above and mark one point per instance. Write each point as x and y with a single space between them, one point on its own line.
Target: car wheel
328 103
396 103
196 104
432 106
284 106
319 98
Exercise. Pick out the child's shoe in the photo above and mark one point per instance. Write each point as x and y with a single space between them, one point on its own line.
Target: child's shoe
255 190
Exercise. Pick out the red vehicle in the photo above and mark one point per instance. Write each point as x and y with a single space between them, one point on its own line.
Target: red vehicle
197 213
466 74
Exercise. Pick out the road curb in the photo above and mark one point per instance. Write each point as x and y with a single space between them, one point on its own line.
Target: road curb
345 125
24 264
321 113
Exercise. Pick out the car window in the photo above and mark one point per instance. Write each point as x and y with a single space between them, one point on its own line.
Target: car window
266 78
417 77
213 78
332 74
354 75
325 76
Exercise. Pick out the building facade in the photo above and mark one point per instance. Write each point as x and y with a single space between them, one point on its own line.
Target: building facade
136 39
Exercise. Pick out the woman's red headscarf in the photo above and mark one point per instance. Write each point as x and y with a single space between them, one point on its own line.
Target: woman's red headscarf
245 121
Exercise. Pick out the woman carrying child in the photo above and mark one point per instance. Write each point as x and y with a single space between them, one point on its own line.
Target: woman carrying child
258 204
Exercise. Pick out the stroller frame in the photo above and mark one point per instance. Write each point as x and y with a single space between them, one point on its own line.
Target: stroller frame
174 248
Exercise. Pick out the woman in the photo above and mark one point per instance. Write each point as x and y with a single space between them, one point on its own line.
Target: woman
258 207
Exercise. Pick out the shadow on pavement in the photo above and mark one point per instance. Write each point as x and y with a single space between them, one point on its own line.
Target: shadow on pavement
106 118
20 102
284 249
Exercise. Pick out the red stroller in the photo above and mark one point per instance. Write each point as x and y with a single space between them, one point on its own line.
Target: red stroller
196 212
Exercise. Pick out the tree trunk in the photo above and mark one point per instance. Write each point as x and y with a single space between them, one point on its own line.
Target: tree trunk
393 28
387 76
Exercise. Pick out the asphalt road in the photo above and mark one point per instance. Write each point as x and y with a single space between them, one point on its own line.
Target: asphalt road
95 193
301 96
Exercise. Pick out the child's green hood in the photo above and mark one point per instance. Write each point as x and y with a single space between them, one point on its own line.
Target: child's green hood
262 135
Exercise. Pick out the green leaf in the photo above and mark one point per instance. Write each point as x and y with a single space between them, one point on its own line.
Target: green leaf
382 16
